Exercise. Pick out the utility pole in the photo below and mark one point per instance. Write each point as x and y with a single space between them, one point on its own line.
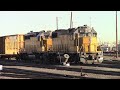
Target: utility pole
116 38
57 23
72 24
90 22
71 21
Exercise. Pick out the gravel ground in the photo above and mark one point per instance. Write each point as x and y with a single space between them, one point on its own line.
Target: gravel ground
109 69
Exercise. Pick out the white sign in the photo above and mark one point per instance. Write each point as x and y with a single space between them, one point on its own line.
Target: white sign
1 67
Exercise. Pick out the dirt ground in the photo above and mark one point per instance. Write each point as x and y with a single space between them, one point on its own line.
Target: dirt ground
109 69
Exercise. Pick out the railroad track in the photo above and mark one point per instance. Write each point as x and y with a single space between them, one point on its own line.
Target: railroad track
27 70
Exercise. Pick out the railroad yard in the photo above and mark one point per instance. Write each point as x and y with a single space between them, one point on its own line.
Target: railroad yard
49 52
12 69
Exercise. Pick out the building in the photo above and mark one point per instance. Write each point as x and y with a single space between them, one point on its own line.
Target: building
114 48
11 44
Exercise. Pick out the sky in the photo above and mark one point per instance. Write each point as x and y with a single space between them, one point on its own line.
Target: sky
21 22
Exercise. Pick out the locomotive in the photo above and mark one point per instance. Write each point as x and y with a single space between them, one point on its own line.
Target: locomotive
80 44
74 45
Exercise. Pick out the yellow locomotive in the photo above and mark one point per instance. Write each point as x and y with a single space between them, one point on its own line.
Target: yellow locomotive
78 42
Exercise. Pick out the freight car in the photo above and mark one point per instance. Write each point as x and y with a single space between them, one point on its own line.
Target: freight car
10 45
8 56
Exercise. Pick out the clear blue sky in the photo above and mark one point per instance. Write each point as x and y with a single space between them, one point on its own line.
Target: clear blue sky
20 22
